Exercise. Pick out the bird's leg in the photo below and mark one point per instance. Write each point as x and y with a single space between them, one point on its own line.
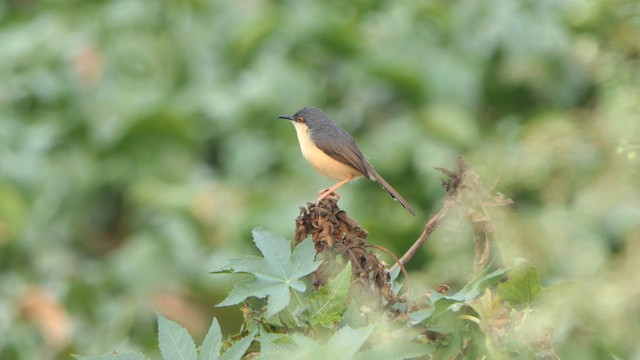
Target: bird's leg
335 194
332 189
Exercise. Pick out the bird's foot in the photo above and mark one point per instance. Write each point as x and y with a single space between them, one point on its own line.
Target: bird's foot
326 193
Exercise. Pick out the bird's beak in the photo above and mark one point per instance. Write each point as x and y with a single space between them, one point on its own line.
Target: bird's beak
288 117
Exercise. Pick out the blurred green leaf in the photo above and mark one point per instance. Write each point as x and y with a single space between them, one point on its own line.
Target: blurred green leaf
397 349
238 349
473 288
327 304
119 356
419 316
524 285
342 345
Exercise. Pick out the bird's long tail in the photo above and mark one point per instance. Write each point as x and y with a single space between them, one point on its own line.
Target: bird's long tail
373 175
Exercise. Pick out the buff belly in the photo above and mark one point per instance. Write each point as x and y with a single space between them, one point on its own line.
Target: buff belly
321 162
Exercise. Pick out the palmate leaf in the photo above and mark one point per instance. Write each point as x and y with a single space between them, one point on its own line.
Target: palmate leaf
275 273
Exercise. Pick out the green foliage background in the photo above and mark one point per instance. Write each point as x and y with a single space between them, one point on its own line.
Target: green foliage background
139 146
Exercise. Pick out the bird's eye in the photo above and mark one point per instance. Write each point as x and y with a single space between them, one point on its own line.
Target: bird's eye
299 119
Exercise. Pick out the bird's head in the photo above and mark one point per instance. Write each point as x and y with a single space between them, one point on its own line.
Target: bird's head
308 115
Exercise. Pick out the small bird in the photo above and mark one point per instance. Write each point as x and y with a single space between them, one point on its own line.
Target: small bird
333 152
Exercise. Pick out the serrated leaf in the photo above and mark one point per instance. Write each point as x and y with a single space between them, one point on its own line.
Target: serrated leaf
344 344
237 350
245 264
303 259
523 287
121 356
327 304
175 341
275 274
210 348
275 346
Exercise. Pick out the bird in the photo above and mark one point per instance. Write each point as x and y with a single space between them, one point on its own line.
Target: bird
333 153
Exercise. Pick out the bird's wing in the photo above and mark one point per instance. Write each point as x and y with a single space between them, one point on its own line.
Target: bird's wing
338 144
343 148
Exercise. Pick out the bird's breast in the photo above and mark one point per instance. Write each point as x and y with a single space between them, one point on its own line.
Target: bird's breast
319 160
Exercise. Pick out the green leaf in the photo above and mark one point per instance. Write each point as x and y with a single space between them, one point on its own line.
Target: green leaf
347 341
442 317
353 316
344 344
329 302
175 341
393 278
524 286
274 274
210 348
237 350
478 284
451 347
121 356
444 309
276 346
405 348
419 316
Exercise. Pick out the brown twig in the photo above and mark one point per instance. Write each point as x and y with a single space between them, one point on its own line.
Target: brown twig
428 229
466 192
402 268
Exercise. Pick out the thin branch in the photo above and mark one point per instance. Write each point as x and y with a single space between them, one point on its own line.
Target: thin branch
465 192
402 268
428 229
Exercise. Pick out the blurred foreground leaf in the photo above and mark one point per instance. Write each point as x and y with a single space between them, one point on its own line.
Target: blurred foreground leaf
342 345
122 356
330 301
523 287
